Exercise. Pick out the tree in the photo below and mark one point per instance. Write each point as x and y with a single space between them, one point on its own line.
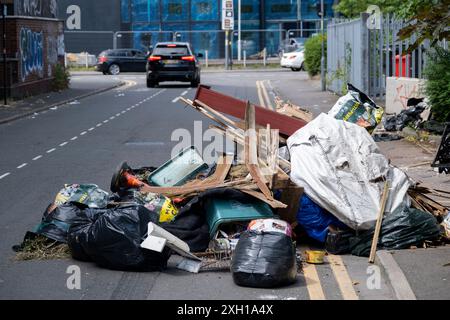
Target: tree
429 19
353 8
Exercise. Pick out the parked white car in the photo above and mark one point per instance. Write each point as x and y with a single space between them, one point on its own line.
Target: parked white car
294 60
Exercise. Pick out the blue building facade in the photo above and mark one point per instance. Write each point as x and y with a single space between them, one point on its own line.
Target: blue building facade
199 22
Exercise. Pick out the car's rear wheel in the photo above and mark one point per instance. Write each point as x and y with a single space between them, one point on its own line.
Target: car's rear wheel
151 83
114 69
296 69
195 83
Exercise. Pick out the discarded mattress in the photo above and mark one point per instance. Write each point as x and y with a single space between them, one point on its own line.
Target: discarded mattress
341 169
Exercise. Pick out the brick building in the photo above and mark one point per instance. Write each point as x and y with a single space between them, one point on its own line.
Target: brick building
34 46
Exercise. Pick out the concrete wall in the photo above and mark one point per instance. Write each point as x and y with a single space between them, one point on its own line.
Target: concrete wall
399 90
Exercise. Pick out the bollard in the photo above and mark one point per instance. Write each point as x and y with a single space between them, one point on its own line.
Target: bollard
87 62
206 58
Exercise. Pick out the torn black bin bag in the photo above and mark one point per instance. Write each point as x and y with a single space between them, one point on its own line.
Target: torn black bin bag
264 260
55 224
113 239
338 240
401 229
191 226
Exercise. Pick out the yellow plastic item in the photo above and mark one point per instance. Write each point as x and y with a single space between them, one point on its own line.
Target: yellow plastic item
315 257
168 211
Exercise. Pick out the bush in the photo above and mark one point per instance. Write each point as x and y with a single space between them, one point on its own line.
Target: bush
437 86
61 78
313 54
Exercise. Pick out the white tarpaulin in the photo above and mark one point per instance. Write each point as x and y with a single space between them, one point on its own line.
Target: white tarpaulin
341 168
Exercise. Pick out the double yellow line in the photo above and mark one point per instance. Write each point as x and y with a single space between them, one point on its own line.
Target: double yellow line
263 96
343 280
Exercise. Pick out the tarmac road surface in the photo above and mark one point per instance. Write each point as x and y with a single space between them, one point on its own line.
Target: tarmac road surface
83 143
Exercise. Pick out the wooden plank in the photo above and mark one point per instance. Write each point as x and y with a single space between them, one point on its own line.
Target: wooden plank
291 197
273 203
251 151
236 108
376 234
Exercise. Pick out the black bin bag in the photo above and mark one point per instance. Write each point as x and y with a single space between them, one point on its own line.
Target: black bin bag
264 260
113 239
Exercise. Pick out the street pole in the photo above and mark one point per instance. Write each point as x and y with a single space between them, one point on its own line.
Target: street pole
5 77
239 30
226 49
322 63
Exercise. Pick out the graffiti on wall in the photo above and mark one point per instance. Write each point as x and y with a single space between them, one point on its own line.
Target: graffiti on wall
31 52
37 8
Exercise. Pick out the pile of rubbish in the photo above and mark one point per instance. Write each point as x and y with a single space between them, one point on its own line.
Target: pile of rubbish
325 177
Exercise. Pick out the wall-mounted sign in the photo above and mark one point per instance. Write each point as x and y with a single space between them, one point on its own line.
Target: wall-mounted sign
227 15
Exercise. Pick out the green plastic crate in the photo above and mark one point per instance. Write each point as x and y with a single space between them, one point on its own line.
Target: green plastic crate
221 211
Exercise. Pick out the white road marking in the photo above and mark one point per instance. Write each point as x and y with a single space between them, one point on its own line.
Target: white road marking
51 150
112 118
117 114
123 112
128 109
90 129
83 133
175 100
105 121
5 175
22 165
74 138
37 158
63 144
99 124
184 93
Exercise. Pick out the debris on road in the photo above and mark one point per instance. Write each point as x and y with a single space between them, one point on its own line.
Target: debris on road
245 212
442 160
418 111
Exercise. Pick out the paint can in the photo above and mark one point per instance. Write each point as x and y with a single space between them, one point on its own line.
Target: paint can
315 257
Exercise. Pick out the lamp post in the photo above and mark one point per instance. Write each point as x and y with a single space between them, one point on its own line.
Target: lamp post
322 60
239 30
5 78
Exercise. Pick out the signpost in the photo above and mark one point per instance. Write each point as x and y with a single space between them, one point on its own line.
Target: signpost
227 25
5 77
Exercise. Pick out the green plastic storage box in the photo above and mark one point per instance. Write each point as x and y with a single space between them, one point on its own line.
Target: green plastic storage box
220 211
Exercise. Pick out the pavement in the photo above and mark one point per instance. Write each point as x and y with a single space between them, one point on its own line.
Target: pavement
85 141
79 88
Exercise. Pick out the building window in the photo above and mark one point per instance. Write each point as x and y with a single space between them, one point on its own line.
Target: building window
279 8
247 8
204 8
175 8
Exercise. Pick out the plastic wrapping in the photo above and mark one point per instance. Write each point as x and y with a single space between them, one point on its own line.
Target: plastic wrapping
113 239
341 169
55 224
403 228
264 260
357 107
88 194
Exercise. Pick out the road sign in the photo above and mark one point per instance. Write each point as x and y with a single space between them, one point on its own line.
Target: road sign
227 15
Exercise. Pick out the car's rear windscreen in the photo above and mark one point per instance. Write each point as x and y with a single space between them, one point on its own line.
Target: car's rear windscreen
168 50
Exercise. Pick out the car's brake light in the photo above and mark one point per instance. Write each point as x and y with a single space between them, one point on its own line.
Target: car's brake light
171 45
154 58
102 59
188 58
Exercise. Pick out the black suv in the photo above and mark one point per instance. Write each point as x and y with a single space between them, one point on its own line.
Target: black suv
121 60
173 61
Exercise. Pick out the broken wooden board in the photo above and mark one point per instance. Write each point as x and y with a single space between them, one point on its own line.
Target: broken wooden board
236 108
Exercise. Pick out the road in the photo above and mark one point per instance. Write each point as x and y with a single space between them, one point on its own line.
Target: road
83 143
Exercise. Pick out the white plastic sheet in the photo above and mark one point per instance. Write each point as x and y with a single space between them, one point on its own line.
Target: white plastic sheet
341 169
